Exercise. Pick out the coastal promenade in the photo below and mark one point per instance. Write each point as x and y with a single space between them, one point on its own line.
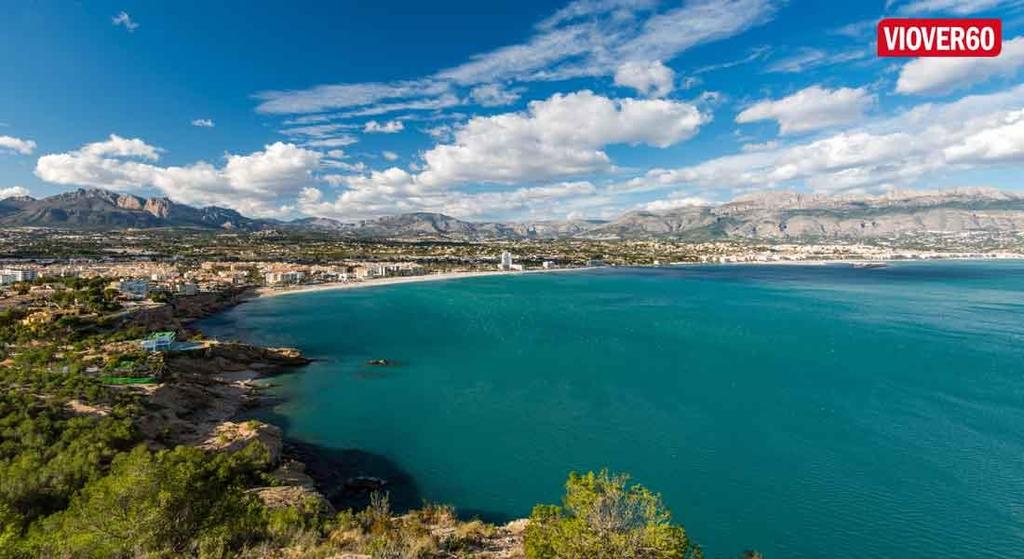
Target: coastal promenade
292 290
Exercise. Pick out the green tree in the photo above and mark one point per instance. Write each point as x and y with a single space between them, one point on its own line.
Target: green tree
181 502
603 517
159 296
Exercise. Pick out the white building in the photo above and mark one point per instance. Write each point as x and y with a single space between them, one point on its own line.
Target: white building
506 261
278 278
186 288
158 341
135 288
9 276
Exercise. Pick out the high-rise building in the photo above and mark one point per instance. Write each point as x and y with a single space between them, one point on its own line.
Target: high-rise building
12 276
506 261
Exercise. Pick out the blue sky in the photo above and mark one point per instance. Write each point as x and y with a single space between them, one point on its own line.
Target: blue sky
496 110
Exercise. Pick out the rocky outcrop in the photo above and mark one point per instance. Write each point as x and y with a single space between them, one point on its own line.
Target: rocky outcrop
295 489
188 410
204 388
294 496
505 543
78 407
180 311
219 357
95 208
231 436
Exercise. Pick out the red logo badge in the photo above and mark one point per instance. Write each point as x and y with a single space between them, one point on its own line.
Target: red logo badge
940 37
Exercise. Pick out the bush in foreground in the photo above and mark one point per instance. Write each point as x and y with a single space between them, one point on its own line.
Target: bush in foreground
175 503
603 517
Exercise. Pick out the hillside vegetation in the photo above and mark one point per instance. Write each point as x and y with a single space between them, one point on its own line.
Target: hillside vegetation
93 468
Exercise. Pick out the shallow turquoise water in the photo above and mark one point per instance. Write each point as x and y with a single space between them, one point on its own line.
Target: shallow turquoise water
806 411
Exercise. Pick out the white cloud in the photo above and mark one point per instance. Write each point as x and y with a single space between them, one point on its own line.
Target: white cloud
862 29
583 9
763 146
260 183
429 104
810 58
390 155
203 123
651 79
669 33
941 75
125 20
389 127
116 146
755 54
392 192
973 132
441 133
325 97
675 201
336 142
1003 142
318 130
24 147
812 108
357 167
494 95
558 137
12 191
690 82
592 38
954 7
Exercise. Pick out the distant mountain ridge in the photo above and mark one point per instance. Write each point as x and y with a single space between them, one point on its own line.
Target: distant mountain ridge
96 208
777 216
793 216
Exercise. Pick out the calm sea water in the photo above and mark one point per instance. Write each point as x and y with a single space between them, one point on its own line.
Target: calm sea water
806 411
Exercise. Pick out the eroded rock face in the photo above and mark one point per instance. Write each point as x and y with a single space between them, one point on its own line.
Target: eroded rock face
80 408
507 541
296 489
226 357
293 496
159 207
189 411
232 436
177 314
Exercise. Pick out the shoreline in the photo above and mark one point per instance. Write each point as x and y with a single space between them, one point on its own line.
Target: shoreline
331 472
833 261
438 276
262 292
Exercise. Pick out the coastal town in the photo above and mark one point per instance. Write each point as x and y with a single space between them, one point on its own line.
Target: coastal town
583 279
145 267
107 333
100 335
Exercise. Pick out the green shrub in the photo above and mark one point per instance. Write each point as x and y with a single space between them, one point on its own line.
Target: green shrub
603 517
181 502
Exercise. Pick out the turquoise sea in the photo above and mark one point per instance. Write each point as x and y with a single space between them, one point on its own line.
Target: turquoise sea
805 411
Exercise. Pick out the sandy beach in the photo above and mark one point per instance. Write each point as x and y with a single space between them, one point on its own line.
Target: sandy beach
277 292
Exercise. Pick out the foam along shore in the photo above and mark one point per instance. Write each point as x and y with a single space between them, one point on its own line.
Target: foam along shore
278 291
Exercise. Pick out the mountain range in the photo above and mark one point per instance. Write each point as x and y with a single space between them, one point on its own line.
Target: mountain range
767 216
